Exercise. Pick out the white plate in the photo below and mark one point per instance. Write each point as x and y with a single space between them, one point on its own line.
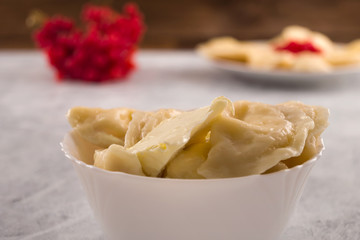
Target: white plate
283 76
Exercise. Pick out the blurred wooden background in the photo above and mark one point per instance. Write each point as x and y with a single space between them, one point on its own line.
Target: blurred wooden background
183 24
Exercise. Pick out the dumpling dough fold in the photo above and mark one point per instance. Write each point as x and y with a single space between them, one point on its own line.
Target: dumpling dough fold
100 127
256 139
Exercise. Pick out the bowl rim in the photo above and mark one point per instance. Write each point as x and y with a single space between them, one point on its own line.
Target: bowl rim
114 173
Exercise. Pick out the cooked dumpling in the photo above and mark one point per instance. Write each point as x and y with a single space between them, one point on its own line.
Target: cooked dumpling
186 163
222 140
354 46
342 56
99 126
296 48
224 48
255 140
163 142
313 143
306 62
170 136
303 34
143 122
115 158
84 149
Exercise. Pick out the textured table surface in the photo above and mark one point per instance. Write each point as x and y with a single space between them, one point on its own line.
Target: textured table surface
41 197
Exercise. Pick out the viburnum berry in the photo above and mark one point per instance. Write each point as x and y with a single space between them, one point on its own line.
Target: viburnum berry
103 51
297 47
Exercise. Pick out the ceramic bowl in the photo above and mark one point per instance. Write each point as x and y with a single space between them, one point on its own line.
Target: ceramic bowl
131 207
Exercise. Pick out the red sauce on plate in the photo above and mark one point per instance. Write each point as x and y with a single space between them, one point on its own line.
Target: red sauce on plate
298 47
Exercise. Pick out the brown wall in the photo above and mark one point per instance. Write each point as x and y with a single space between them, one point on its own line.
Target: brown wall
183 23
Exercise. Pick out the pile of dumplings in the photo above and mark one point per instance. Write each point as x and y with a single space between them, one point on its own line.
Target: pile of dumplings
265 55
224 140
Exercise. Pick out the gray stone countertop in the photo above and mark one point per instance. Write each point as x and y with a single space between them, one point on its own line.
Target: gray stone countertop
41 197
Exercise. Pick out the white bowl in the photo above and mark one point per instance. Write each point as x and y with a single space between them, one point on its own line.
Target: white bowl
134 207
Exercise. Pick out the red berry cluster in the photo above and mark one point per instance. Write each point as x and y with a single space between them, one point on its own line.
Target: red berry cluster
297 47
103 51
